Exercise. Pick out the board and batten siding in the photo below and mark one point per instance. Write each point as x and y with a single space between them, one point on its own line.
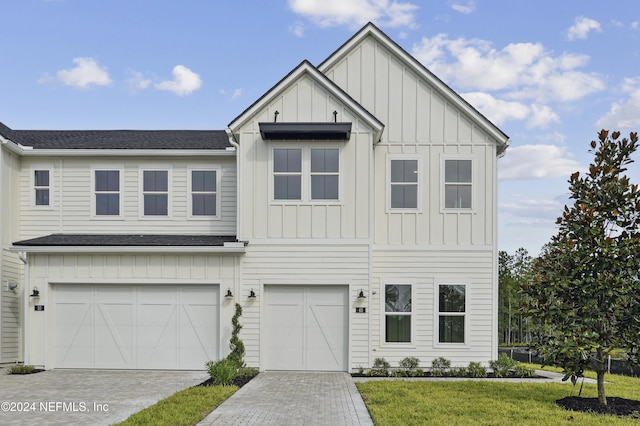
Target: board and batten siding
425 270
261 216
46 270
309 264
420 121
72 194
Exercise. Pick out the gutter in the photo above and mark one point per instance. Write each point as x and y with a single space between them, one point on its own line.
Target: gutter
226 248
29 151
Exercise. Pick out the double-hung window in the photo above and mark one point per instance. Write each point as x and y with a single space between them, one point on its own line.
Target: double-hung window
107 192
451 313
155 192
42 187
324 174
404 184
287 174
457 184
397 310
204 192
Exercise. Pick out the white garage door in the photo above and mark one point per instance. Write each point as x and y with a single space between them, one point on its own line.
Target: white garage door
136 327
306 328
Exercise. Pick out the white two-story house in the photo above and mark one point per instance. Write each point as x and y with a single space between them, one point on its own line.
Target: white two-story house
351 211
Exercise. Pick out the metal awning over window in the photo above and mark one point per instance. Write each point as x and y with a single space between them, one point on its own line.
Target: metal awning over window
305 131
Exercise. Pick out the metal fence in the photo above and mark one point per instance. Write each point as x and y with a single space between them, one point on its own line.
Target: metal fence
614 365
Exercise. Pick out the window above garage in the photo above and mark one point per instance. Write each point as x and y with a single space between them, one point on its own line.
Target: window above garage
305 131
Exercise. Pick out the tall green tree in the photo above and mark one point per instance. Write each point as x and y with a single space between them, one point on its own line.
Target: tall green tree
513 271
585 297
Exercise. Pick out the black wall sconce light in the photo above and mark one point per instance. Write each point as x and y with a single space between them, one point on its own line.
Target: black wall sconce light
252 294
35 292
361 295
229 295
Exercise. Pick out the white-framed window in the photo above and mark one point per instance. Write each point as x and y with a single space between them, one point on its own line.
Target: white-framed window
325 173
287 174
306 174
42 187
204 192
458 183
155 192
107 186
403 182
397 313
452 313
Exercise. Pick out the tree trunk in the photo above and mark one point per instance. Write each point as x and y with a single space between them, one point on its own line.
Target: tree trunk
600 371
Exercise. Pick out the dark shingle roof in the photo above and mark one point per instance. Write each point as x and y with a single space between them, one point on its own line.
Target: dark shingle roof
118 139
126 240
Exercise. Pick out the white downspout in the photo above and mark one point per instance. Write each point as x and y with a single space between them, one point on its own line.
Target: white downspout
25 314
232 141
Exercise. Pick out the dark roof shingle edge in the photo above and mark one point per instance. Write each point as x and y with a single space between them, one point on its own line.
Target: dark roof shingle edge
148 240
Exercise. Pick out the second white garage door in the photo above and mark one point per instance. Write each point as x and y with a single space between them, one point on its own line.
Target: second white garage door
136 327
306 328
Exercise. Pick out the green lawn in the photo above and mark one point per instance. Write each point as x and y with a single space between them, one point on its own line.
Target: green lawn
183 408
400 402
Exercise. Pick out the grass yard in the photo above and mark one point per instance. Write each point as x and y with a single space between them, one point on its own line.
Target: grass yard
183 408
400 402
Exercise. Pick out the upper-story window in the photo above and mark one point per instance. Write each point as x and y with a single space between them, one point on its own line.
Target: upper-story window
204 193
397 309
107 192
287 174
457 184
451 313
42 187
404 183
155 192
324 174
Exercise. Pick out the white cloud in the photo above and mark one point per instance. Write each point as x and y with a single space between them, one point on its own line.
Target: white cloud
236 94
521 70
536 162
329 13
137 81
184 81
624 114
581 28
297 29
463 7
87 72
534 211
499 111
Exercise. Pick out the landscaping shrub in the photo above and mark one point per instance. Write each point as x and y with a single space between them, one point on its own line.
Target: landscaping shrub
503 365
21 369
222 372
458 372
380 368
235 344
408 366
477 370
440 366
523 371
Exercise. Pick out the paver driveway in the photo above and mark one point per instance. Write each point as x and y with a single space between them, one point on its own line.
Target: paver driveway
283 398
86 397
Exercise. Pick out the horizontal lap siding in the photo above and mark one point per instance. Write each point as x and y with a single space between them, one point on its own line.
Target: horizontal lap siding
11 314
304 265
72 195
425 270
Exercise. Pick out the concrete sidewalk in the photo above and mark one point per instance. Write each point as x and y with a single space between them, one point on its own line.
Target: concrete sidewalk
293 398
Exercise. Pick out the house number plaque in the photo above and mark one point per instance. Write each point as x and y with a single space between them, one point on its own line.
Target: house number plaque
361 310
38 308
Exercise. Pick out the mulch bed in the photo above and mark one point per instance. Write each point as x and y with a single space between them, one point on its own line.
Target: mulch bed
238 381
615 406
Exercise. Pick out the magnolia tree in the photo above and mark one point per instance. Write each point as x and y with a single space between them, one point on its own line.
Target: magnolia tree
584 300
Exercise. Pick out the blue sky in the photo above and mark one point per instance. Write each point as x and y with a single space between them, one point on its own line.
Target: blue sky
550 74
